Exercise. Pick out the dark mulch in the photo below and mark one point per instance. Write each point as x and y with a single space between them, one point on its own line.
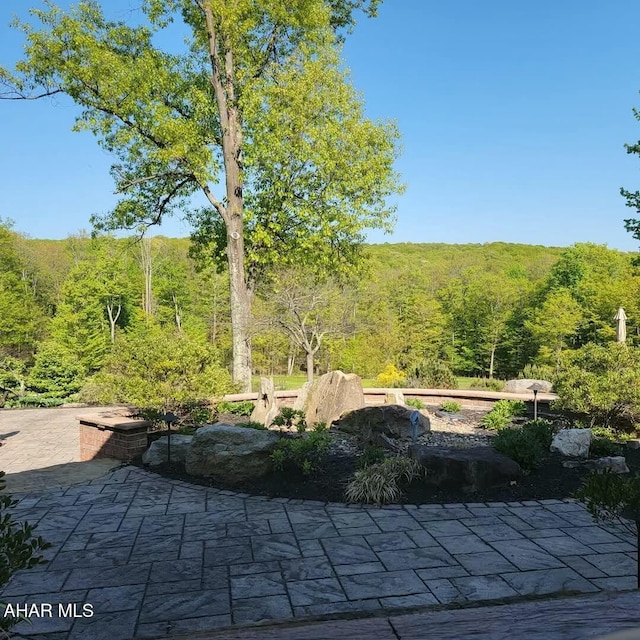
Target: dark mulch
549 480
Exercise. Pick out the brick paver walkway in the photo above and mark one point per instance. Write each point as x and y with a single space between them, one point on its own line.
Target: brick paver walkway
158 557
41 449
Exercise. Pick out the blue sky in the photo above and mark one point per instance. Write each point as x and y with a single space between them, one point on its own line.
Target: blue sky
513 117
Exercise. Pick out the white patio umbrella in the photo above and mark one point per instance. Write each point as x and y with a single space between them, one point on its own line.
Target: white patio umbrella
621 326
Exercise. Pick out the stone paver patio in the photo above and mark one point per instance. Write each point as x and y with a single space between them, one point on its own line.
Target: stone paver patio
159 557
156 557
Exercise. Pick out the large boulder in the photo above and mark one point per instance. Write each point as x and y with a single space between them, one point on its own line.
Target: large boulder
158 452
615 464
266 407
573 443
469 470
379 424
230 454
300 403
331 395
522 386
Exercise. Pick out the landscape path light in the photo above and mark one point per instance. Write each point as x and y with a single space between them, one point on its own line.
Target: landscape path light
170 418
535 387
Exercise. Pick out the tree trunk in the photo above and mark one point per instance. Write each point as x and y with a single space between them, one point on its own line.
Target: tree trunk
493 357
147 268
222 81
240 299
176 310
310 358
113 318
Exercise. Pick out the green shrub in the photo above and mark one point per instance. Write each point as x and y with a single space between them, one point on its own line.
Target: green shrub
34 400
379 483
495 421
373 454
56 372
391 377
520 445
501 414
252 424
291 418
197 413
154 367
490 384
449 406
600 382
433 374
537 372
542 430
301 453
414 402
603 447
242 408
608 433
614 498
19 548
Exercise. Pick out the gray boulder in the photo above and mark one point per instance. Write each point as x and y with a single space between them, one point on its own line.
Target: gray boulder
469 470
331 395
157 453
380 423
617 464
573 443
266 407
522 386
300 402
230 454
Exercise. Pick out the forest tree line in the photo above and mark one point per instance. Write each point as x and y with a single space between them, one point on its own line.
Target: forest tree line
113 318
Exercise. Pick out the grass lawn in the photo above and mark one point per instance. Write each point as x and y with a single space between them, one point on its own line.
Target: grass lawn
283 382
295 382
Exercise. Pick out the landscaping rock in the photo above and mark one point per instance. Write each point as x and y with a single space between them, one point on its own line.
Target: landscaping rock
472 469
573 443
522 386
331 395
394 397
300 402
230 454
375 425
617 464
157 453
266 408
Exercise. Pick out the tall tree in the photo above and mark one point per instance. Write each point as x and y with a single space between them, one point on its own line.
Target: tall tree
257 102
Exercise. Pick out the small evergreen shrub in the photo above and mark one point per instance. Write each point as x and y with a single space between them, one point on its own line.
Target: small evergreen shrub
391 376
520 445
433 374
537 372
243 408
495 421
490 384
450 406
415 403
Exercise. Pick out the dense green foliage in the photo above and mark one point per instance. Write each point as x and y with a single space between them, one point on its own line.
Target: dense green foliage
302 453
601 382
450 406
501 414
413 316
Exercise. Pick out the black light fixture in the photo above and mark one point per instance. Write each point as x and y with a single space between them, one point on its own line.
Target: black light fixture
170 418
535 387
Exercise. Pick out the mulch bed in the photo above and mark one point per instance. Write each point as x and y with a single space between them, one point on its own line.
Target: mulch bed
549 480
